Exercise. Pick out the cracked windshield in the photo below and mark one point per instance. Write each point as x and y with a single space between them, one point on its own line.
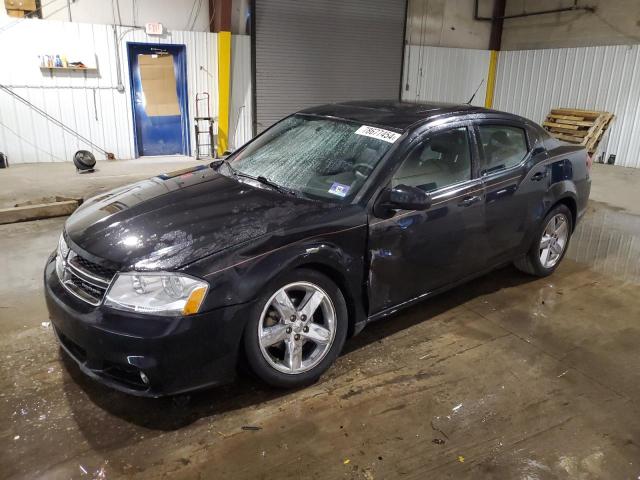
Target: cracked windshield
317 157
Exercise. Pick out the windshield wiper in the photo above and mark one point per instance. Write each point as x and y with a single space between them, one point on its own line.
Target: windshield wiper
260 178
269 183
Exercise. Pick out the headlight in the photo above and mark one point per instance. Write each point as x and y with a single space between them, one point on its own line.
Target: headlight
160 293
61 257
63 248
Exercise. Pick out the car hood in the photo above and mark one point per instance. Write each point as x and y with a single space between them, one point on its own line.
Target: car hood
172 220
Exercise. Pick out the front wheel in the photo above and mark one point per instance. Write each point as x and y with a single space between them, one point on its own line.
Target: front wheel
297 329
550 245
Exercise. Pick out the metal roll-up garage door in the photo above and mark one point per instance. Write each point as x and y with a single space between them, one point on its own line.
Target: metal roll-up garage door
321 51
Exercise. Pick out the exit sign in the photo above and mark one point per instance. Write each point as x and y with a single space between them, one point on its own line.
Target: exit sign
153 28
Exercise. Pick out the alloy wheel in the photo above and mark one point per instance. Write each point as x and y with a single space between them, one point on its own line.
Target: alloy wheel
297 327
554 240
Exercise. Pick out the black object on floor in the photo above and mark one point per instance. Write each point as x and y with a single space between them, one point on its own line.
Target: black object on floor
84 161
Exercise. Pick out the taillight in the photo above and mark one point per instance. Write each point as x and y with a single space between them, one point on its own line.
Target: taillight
589 161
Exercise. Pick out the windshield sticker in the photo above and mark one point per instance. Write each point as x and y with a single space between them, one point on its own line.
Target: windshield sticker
339 189
379 133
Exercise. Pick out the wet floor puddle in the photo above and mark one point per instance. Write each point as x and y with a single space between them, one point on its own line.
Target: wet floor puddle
608 240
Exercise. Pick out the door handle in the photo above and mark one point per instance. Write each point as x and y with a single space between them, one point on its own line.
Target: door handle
468 201
538 176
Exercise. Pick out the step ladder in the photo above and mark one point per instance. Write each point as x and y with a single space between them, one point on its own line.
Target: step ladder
204 125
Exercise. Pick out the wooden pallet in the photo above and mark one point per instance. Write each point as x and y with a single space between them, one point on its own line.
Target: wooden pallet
582 127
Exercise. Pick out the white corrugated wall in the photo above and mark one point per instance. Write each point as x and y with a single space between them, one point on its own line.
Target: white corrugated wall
444 74
241 106
532 82
89 103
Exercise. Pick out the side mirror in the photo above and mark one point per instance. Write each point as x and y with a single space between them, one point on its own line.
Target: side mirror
408 198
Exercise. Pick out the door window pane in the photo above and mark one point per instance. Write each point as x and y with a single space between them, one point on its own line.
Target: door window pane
158 79
503 146
440 160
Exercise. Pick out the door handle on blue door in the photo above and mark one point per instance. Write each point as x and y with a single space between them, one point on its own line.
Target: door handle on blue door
538 176
468 201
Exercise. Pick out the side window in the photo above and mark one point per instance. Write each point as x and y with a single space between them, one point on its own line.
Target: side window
440 160
504 146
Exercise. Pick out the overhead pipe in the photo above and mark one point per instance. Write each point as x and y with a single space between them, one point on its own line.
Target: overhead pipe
575 7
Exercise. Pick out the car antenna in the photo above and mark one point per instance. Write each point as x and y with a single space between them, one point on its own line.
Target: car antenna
474 93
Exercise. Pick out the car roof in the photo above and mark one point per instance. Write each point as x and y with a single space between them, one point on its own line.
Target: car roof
399 116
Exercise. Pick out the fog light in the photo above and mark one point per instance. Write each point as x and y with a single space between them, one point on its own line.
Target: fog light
144 378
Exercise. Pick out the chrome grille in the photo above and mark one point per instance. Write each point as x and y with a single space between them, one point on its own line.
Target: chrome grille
84 279
98 270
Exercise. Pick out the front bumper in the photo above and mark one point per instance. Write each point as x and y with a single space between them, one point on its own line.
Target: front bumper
175 354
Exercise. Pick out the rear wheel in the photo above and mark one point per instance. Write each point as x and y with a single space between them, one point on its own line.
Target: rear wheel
552 241
297 329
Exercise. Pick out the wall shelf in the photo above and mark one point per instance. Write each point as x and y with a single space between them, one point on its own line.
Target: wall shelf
84 70
72 69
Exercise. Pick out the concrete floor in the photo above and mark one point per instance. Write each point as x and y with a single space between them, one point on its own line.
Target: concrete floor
25 182
506 377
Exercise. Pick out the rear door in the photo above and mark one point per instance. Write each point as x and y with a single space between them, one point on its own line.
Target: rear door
415 252
515 181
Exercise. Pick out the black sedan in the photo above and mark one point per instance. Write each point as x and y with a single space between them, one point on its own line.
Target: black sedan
332 218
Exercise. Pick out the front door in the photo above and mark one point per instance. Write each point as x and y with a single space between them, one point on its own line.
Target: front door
159 96
415 252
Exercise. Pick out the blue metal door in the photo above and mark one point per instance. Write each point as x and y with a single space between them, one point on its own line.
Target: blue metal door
158 79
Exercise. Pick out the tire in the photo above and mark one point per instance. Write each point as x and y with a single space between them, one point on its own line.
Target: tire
303 348
534 262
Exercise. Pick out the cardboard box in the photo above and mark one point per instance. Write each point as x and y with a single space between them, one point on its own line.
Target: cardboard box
157 75
15 13
27 5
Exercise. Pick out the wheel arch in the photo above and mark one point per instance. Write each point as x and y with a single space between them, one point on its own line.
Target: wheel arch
562 192
525 262
343 268
352 299
571 204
